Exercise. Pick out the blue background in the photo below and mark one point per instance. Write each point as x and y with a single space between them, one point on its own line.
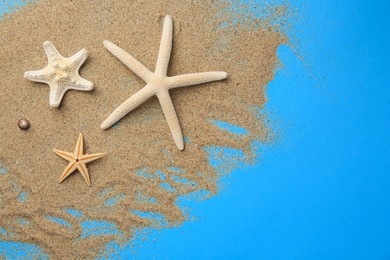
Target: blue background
324 191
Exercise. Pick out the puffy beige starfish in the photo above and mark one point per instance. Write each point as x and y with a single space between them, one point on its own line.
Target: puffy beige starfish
61 73
158 83
78 160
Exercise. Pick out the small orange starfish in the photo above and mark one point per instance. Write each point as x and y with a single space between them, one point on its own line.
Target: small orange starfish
78 161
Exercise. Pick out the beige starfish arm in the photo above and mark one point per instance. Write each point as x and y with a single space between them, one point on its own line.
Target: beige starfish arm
136 66
171 118
51 52
164 53
66 155
126 107
86 158
72 166
195 79
81 84
38 76
78 150
84 172
57 92
78 59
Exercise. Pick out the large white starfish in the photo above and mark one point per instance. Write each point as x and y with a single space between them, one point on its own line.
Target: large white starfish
158 83
61 73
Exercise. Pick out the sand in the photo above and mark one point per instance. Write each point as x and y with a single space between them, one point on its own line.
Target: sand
143 159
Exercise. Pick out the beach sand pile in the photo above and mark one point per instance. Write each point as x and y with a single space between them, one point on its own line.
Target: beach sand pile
143 171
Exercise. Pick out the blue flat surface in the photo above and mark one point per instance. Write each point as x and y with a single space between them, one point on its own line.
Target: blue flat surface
324 191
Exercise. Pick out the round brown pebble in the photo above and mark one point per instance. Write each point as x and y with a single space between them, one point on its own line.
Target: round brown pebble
23 124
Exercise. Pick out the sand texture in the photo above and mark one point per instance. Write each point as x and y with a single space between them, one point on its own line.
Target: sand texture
143 171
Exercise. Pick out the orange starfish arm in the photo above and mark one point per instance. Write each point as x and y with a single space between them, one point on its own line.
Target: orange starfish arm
84 172
66 155
86 158
68 170
78 151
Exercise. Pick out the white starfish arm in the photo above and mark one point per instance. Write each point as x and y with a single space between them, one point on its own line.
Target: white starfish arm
72 166
171 117
82 84
195 79
38 76
84 172
164 53
131 103
133 64
51 52
77 60
57 92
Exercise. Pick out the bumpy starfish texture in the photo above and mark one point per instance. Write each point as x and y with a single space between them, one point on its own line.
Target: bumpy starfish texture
158 83
61 73
77 161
